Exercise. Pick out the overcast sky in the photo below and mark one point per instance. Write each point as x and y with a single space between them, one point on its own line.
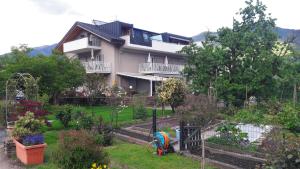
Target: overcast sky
45 22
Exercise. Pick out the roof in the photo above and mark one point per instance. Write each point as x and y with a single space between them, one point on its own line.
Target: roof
140 76
97 30
176 36
112 32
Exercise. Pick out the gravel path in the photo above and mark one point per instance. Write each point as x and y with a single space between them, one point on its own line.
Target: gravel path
6 163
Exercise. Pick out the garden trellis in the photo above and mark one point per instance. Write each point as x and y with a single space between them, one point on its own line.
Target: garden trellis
21 86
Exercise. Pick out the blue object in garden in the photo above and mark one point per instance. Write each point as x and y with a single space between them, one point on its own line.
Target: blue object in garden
33 139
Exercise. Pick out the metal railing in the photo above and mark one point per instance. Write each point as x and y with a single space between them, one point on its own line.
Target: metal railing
160 68
94 42
97 67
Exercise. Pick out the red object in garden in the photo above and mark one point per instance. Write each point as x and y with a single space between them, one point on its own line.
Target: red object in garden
32 106
30 155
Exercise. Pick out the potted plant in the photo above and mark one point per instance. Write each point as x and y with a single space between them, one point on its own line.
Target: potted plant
29 139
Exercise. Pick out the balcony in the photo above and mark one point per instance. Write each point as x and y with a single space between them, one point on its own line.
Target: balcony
97 67
81 45
156 46
160 68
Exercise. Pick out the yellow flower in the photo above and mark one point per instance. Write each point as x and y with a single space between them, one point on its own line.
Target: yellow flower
94 165
104 166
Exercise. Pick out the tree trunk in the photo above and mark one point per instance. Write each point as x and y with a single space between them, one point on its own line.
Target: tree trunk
55 98
295 94
173 108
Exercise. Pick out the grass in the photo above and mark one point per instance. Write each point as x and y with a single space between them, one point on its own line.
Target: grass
125 117
138 157
124 155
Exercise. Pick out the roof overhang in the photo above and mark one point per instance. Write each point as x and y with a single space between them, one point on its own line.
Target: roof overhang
140 76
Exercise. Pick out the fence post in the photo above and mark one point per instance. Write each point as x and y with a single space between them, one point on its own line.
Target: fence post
203 149
154 121
181 136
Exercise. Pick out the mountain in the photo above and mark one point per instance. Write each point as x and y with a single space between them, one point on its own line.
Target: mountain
44 50
283 35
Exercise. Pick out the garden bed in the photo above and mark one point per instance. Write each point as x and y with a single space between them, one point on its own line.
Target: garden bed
244 161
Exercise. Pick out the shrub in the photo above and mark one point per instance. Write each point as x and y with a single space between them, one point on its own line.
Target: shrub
253 116
103 132
289 117
230 135
65 116
83 121
283 150
28 129
139 108
78 149
231 132
272 107
32 106
44 99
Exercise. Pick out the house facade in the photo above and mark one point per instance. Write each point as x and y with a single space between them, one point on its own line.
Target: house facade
132 58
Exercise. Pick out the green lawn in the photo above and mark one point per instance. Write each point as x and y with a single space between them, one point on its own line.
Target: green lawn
135 156
125 117
128 155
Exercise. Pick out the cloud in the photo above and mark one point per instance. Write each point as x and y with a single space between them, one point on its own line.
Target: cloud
54 7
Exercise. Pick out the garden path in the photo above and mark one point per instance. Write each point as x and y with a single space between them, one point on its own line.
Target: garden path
5 162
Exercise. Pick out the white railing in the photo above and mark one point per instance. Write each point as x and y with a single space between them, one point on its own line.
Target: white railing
160 68
156 45
97 67
81 44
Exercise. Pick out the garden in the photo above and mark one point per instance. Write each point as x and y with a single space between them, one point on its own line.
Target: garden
236 105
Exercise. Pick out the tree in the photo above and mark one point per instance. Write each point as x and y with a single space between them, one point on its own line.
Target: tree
172 91
56 72
240 61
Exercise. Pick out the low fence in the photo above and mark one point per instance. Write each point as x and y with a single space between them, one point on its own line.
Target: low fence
241 145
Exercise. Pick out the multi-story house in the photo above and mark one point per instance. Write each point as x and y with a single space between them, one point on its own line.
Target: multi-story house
134 59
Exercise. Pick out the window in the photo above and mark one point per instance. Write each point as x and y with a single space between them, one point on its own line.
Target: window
146 37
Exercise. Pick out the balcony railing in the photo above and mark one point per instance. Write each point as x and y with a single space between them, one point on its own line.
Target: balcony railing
160 68
155 45
81 45
97 67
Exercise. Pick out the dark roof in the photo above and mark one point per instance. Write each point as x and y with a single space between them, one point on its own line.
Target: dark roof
112 32
101 32
176 36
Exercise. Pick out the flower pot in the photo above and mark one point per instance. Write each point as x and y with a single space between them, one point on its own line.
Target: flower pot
30 155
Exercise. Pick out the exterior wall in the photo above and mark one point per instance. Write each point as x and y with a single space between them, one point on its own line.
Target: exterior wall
129 60
108 52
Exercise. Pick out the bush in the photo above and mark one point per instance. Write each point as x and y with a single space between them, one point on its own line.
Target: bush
103 132
283 150
65 116
232 134
252 116
289 117
78 149
26 129
139 108
272 107
32 106
83 121
44 99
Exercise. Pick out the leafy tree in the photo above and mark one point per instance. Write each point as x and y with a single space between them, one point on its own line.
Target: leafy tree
239 61
56 72
172 91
